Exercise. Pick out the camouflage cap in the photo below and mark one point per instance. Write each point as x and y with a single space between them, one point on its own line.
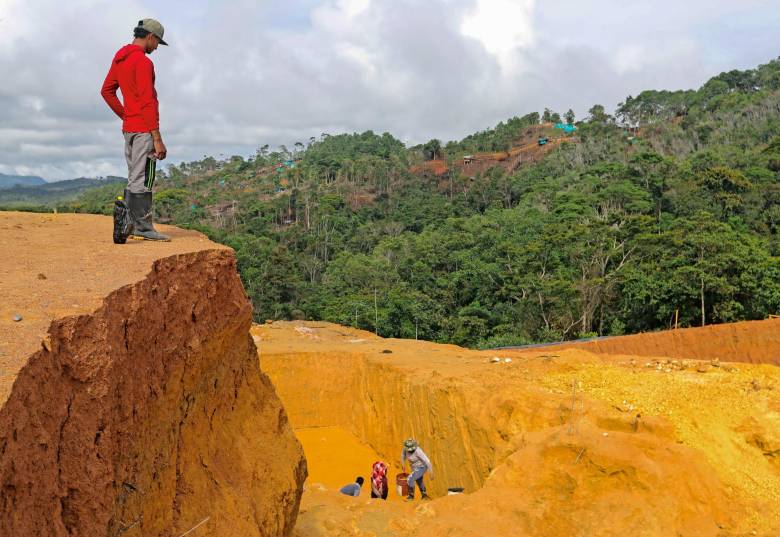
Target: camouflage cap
153 26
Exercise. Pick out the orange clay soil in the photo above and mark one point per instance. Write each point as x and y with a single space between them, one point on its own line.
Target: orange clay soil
55 265
553 442
336 457
525 150
131 400
755 342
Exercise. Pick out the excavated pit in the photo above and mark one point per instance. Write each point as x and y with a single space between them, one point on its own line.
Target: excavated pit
552 442
132 401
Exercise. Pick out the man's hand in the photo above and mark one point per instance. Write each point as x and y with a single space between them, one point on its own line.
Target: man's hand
160 151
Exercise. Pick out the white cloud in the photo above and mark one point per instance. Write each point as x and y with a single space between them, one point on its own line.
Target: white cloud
359 55
353 8
502 26
243 73
629 58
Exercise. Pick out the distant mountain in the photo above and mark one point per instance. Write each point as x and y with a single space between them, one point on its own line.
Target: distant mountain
76 184
52 193
9 181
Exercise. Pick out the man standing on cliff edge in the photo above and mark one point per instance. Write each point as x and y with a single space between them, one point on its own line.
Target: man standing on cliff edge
133 72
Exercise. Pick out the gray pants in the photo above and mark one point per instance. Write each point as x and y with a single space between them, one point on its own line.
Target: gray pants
141 164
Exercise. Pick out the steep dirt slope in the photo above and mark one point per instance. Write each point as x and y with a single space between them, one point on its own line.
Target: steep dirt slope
755 342
551 443
524 151
132 401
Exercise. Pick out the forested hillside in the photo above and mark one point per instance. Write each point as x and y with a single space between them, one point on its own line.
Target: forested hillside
668 207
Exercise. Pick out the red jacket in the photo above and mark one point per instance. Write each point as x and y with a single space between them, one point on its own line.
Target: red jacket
133 72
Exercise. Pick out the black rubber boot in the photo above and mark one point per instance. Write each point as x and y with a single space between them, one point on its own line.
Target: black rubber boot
141 209
123 221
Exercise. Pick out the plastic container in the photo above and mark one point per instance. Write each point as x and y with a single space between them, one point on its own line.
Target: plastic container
401 484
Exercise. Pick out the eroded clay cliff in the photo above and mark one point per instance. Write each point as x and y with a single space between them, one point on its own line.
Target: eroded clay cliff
144 412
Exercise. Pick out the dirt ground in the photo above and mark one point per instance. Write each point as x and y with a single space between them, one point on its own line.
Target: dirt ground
137 406
756 342
336 457
57 265
546 442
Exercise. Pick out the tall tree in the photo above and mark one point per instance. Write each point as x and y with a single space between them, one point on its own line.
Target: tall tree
597 114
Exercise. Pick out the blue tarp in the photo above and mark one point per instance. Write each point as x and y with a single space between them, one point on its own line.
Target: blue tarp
285 165
565 128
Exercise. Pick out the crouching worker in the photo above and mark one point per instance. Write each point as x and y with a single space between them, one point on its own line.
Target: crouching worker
419 463
379 486
353 489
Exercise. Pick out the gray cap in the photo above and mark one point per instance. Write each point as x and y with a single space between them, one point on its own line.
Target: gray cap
153 26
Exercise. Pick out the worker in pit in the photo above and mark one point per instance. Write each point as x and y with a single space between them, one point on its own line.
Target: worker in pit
420 463
379 488
353 489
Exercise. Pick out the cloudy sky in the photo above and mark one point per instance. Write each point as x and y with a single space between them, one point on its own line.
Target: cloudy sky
242 73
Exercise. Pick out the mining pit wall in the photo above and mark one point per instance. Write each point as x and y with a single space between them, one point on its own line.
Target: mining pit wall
466 423
756 342
137 406
382 405
561 443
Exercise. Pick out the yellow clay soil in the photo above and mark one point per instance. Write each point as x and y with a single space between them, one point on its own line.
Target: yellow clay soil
545 441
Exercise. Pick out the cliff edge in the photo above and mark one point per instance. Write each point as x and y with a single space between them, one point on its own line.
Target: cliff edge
131 400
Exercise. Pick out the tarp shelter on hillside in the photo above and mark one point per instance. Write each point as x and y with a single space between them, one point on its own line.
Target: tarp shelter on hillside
568 129
287 164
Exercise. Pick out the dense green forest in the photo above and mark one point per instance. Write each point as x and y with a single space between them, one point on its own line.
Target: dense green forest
670 204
